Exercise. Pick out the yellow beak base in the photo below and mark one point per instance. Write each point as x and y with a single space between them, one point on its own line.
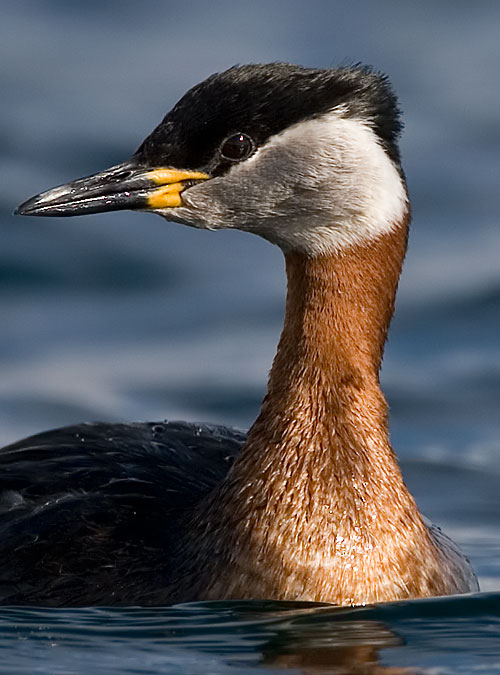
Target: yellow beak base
173 182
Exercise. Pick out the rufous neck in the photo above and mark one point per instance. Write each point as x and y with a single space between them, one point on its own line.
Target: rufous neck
317 483
339 306
338 311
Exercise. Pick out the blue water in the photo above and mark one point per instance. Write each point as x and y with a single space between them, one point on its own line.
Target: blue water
445 634
126 317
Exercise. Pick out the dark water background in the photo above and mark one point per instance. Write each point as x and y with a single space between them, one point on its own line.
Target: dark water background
124 316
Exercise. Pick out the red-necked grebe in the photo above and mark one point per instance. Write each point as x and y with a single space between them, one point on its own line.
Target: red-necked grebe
310 505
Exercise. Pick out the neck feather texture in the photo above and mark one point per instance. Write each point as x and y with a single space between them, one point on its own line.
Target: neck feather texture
314 507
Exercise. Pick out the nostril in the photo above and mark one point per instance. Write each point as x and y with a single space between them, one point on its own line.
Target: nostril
123 175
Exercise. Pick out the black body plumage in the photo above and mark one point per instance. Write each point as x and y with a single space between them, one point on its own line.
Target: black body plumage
90 514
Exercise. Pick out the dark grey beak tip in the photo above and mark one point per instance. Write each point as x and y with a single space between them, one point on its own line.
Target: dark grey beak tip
22 209
123 186
31 207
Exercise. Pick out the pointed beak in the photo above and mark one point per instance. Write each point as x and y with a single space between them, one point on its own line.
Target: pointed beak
124 186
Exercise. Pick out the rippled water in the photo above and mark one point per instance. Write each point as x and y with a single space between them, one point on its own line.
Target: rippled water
123 316
444 635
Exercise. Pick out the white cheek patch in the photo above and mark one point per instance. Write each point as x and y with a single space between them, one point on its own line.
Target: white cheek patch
322 185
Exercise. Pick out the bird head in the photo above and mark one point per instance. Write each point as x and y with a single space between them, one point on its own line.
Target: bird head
306 158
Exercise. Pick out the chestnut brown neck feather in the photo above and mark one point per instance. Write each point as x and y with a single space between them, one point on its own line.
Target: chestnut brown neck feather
315 507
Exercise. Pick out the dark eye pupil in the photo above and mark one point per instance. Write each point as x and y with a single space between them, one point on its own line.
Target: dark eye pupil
236 147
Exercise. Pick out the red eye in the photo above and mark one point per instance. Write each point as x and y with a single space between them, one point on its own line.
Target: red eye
237 147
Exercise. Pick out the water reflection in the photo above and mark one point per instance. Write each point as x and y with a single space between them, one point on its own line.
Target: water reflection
339 647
